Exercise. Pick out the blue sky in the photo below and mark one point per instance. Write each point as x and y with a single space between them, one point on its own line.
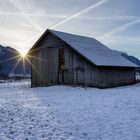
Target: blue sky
116 23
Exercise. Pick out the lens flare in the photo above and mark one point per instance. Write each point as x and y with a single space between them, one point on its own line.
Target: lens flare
23 53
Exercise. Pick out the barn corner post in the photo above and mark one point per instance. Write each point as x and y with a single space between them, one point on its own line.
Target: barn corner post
31 64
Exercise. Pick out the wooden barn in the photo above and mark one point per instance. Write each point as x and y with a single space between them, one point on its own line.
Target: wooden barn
63 58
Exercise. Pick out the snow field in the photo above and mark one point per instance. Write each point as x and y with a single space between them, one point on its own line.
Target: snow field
69 113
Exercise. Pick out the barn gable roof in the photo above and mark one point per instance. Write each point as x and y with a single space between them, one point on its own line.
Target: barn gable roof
93 50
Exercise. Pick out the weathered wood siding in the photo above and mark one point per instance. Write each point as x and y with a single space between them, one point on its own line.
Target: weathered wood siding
115 76
77 71
45 60
35 71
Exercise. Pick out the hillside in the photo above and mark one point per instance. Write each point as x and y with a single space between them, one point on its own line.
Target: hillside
131 58
9 59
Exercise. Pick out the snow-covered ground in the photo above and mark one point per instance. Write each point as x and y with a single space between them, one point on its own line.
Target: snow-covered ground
69 113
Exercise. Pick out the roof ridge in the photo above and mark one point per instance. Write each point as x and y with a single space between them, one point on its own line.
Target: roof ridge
72 34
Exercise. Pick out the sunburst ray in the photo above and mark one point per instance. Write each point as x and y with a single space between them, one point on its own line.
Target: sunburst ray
15 57
16 65
31 64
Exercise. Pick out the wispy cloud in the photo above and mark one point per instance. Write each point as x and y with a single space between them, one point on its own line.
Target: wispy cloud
129 44
119 29
123 40
26 16
116 18
44 14
81 12
23 13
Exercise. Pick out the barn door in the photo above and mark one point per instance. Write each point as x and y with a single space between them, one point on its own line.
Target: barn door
80 77
52 65
81 72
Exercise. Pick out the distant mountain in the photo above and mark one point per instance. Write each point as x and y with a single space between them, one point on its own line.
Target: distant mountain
131 58
9 58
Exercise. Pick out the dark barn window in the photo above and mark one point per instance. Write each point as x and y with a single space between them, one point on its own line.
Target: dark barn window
61 60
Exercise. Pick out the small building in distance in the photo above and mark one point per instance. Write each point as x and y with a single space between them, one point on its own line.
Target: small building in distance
63 58
137 76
